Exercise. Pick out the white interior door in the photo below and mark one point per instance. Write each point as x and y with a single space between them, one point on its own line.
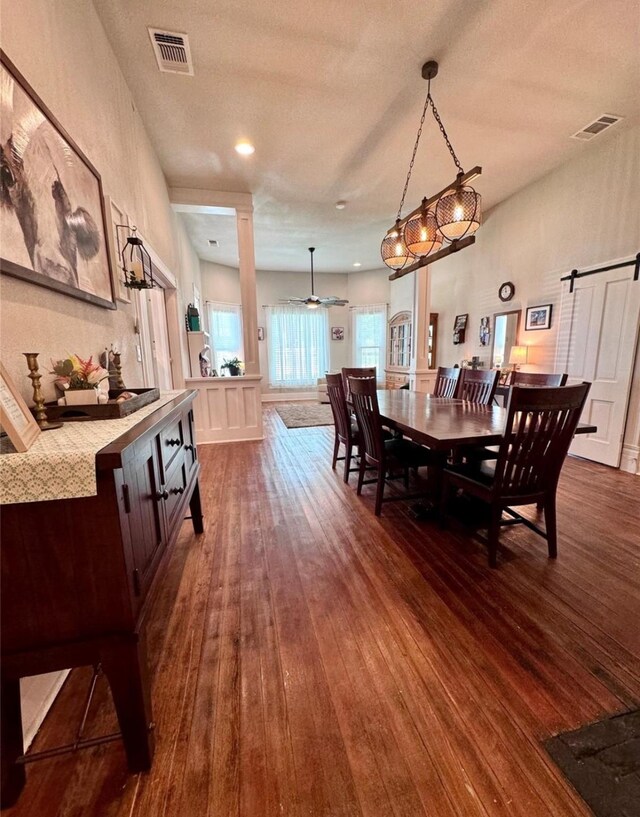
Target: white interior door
597 342
159 334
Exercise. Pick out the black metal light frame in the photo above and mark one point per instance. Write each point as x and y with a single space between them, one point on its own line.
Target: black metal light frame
134 250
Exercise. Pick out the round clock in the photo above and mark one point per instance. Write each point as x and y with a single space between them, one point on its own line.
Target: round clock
506 291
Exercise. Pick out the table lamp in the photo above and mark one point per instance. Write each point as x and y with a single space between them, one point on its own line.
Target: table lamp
518 356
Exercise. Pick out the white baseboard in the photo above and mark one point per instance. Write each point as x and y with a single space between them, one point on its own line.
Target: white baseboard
37 694
237 440
630 459
283 397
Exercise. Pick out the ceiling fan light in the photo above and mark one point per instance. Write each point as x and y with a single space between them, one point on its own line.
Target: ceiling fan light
312 304
421 234
459 213
393 249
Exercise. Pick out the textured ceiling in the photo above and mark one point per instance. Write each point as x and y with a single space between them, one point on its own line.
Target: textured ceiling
330 93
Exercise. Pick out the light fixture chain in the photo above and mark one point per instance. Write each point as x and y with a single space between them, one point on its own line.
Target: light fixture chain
436 116
415 150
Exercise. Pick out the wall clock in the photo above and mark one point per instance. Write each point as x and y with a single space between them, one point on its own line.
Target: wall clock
506 291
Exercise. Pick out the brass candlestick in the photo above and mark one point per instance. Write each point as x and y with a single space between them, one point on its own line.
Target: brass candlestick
38 398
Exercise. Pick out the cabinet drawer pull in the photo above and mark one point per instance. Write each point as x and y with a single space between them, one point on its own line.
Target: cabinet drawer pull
174 442
177 491
164 494
188 447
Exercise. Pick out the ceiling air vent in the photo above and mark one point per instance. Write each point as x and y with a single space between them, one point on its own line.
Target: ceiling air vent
593 129
172 51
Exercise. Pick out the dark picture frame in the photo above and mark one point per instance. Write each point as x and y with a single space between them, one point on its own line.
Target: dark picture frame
54 229
538 317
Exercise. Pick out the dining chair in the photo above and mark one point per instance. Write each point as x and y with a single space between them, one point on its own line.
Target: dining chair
477 385
538 379
382 454
346 430
364 371
539 428
446 382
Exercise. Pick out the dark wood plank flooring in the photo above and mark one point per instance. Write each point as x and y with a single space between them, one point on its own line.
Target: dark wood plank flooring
310 659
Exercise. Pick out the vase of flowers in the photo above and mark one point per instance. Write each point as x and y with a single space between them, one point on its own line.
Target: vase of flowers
79 380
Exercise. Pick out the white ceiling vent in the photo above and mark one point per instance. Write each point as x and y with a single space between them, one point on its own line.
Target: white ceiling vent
172 51
593 129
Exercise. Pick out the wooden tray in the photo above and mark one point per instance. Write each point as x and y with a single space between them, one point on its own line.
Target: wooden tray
106 411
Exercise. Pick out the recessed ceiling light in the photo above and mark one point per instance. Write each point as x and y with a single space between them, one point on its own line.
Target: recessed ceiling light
357 264
340 205
245 148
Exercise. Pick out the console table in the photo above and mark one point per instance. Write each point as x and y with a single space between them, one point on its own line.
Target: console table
76 575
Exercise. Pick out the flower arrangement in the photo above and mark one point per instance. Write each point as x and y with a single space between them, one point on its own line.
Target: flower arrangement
75 374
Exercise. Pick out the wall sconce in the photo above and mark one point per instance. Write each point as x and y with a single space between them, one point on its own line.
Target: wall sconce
135 261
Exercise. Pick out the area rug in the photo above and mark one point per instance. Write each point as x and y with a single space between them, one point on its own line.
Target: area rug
304 415
602 761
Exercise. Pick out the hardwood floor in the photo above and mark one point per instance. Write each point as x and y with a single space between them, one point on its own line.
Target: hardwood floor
310 659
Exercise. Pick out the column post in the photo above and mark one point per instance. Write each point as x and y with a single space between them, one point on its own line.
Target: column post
419 368
248 294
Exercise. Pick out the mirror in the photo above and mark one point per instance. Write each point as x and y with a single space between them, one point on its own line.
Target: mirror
506 326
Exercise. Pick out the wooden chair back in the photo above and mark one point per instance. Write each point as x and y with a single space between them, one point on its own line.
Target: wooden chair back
366 371
446 382
341 419
477 385
538 432
364 398
538 379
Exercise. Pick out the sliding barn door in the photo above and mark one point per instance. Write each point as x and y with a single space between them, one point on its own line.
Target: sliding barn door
597 340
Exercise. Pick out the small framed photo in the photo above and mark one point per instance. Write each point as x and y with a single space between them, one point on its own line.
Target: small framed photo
461 323
485 331
337 333
261 333
538 317
15 417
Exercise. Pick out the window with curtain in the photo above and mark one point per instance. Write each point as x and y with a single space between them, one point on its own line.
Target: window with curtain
369 336
298 341
225 330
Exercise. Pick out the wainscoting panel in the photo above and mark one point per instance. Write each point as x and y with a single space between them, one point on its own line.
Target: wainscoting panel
227 409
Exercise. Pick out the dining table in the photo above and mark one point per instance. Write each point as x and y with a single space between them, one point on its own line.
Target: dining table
444 423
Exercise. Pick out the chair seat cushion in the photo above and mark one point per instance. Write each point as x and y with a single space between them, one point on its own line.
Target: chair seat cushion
408 453
482 471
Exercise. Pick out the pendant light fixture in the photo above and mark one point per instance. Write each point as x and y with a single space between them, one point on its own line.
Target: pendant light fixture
443 223
136 262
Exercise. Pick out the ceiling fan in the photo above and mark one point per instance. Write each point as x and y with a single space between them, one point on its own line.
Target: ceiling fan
313 301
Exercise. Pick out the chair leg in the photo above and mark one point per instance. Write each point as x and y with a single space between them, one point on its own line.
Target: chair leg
406 478
550 524
539 505
363 465
336 446
380 490
347 461
445 494
494 535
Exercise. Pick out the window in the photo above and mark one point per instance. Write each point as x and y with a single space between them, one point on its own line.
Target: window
298 345
225 328
369 334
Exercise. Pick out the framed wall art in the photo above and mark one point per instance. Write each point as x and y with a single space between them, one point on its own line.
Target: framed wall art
15 417
485 330
261 333
538 317
337 333
115 239
460 328
54 228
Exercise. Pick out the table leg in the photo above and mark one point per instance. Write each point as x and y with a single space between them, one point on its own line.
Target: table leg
195 505
125 665
13 775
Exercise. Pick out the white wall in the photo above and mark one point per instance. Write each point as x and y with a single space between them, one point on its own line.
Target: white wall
63 52
585 212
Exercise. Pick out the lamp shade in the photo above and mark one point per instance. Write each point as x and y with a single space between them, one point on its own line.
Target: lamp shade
518 355
421 234
459 213
393 249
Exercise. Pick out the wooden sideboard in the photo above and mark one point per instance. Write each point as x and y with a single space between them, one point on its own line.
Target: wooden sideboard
76 576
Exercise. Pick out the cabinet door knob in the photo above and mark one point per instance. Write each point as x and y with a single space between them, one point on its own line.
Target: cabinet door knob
173 442
164 494
177 491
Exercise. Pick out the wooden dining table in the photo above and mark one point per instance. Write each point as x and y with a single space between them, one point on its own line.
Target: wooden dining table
443 423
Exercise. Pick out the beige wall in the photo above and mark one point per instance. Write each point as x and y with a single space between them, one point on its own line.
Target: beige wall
585 212
63 52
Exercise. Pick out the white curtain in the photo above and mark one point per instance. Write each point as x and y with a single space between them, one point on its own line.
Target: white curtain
225 329
298 341
369 336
